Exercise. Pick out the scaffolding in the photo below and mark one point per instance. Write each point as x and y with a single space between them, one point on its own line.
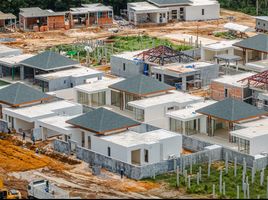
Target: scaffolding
164 55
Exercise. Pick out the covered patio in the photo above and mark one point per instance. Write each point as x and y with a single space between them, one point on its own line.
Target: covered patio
223 115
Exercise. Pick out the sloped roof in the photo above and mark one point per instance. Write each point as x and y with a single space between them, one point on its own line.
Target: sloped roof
169 2
141 85
258 42
49 60
102 120
18 94
232 110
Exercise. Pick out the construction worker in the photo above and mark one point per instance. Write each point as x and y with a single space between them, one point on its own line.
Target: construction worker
23 136
122 173
33 139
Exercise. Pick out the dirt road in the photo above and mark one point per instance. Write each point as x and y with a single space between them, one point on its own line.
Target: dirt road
34 42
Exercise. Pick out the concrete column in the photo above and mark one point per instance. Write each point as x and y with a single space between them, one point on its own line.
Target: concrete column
135 18
184 84
44 133
262 56
183 128
21 72
197 124
246 56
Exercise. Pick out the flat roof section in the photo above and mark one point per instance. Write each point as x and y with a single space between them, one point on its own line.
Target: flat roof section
58 123
264 18
251 132
14 60
38 12
222 45
40 110
143 7
189 112
73 72
255 123
163 3
258 66
184 68
172 97
237 27
97 86
7 51
131 138
203 2
86 8
4 16
234 79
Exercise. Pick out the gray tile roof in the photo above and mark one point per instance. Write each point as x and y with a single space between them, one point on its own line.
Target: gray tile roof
258 42
170 2
141 85
232 110
49 60
18 93
102 120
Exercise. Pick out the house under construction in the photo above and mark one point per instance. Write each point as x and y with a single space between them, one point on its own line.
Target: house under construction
7 20
90 15
36 19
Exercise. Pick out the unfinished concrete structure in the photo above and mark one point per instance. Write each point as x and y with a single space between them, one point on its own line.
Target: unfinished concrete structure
7 20
262 23
90 15
141 62
228 86
36 19
258 84
161 12
186 76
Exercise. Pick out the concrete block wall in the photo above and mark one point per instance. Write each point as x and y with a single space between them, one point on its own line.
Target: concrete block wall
193 144
204 152
61 146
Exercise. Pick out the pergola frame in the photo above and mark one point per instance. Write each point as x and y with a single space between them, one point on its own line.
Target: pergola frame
162 55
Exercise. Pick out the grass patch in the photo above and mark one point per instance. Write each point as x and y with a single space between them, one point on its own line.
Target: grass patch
206 184
118 44
226 35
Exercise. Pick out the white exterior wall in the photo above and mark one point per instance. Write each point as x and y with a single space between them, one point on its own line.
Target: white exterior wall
208 55
258 145
194 12
20 124
170 146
